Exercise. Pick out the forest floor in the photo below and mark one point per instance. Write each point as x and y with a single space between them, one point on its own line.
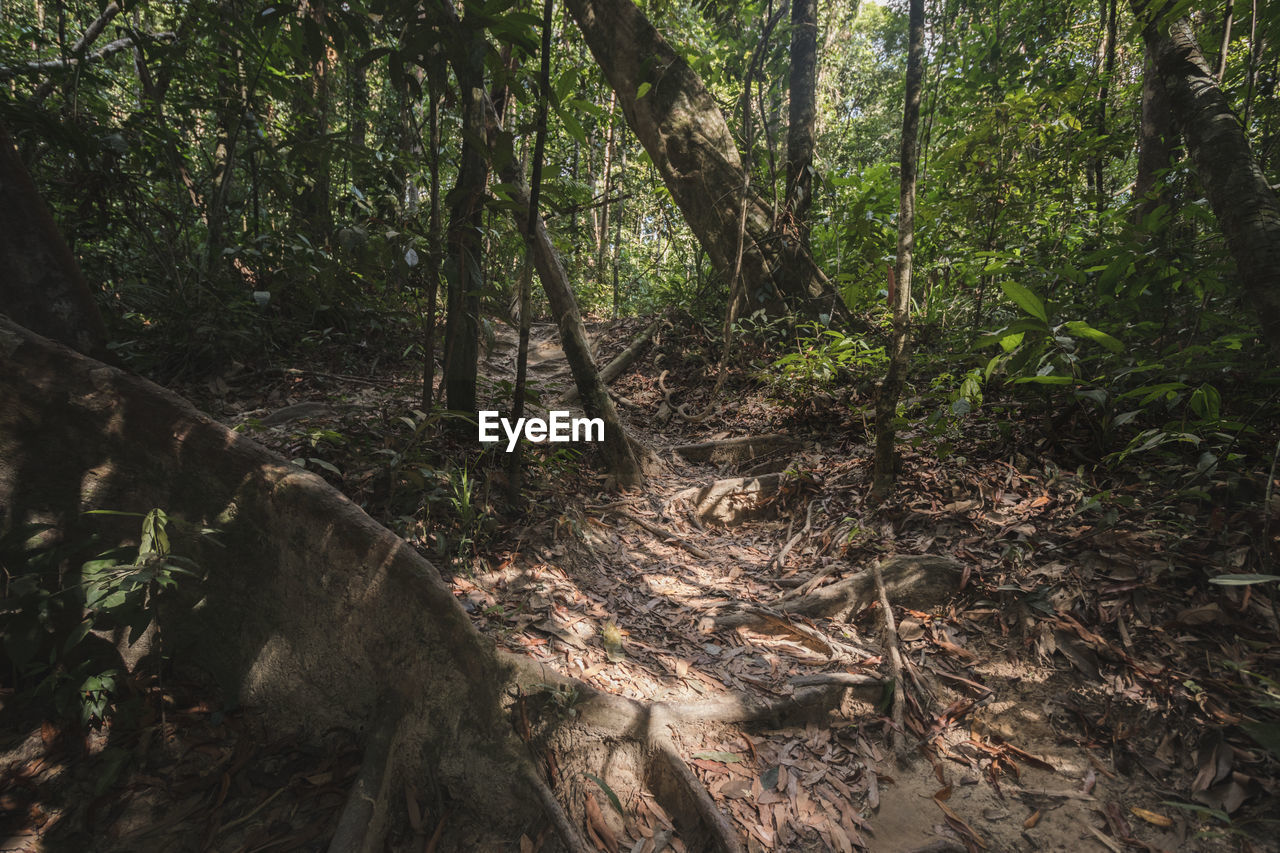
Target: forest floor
1079 686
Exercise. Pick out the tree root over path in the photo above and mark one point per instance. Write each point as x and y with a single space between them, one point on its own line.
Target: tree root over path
319 618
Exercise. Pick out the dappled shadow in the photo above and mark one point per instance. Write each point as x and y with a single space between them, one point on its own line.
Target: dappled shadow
309 610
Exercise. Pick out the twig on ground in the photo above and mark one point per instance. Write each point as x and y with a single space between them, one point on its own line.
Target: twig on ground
667 535
895 662
779 561
844 679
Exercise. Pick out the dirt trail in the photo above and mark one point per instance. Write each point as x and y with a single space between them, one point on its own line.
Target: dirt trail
738 574
999 757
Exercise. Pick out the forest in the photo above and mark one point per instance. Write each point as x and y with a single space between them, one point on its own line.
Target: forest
639 425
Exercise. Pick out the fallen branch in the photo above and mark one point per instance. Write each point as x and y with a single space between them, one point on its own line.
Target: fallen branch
780 558
667 535
622 361
895 662
90 35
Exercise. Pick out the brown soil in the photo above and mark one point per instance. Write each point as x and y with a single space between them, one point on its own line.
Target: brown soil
1049 706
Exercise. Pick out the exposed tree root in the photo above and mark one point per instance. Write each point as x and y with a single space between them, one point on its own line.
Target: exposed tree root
895 661
769 621
915 580
741 449
780 559
681 411
363 823
732 501
623 360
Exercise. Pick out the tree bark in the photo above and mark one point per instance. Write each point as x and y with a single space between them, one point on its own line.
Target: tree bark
515 468
899 348
1104 93
1247 209
685 134
802 113
463 236
41 286
1156 141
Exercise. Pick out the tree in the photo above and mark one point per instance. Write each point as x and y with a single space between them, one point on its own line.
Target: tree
1243 201
802 115
41 286
900 340
1156 140
684 132
465 244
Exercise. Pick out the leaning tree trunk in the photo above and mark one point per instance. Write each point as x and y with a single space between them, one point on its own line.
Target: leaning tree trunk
1247 208
617 448
684 132
40 282
899 352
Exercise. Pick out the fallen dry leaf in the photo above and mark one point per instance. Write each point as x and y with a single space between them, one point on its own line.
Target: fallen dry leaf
1151 817
596 824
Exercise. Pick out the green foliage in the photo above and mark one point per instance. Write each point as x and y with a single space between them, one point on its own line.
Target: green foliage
822 357
52 614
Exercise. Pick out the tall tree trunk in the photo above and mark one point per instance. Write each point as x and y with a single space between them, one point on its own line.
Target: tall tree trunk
435 79
802 113
466 219
515 469
801 117
602 240
41 286
1228 15
1104 94
229 111
681 127
1247 209
617 448
1251 71
899 348
1157 139
312 150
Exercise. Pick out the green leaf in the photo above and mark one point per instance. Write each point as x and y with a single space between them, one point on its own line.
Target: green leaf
722 757
1266 734
328 466
643 90
572 126
1200 810
1243 579
608 792
1025 299
1081 329
1050 379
